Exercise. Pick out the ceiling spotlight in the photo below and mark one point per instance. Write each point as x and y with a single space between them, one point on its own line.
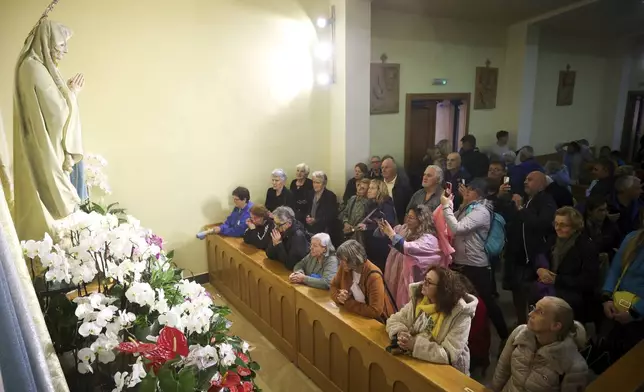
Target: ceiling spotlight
323 79
322 22
324 51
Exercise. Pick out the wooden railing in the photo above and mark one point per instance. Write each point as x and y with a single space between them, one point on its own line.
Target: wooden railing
338 350
624 376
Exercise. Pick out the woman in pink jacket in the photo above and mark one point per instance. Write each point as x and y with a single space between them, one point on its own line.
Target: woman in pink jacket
414 249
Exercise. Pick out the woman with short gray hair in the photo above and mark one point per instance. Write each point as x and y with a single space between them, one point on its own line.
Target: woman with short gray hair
278 195
359 286
318 268
324 206
301 188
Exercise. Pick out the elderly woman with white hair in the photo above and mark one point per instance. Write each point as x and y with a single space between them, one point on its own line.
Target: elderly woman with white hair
278 195
318 268
543 355
324 206
301 188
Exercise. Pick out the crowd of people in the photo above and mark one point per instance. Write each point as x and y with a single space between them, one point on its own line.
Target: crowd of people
419 252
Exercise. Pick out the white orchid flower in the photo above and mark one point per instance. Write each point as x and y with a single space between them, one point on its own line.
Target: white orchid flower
89 328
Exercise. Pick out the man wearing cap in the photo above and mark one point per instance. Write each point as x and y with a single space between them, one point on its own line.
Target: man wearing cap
470 226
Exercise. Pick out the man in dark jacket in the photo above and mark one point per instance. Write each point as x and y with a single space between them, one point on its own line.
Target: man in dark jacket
528 226
561 195
398 186
475 162
290 241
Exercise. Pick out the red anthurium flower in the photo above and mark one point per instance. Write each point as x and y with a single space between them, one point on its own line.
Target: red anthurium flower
247 386
173 340
230 380
242 371
135 347
242 356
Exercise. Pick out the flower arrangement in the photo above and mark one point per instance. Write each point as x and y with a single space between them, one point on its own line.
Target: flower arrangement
145 328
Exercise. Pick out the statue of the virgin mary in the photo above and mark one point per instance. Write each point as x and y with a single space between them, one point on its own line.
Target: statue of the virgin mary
47 134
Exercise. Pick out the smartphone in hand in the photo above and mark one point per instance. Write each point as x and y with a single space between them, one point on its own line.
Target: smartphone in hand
448 188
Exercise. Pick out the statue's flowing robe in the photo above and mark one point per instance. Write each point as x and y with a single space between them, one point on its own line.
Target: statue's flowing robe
46 130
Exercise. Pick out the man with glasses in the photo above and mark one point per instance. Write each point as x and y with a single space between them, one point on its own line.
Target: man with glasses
290 241
374 171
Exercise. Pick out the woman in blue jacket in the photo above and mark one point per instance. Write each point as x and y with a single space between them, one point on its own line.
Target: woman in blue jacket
235 224
623 292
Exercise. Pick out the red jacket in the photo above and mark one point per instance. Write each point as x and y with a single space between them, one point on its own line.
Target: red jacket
479 340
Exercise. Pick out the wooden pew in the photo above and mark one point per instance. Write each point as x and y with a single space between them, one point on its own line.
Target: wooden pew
624 376
338 350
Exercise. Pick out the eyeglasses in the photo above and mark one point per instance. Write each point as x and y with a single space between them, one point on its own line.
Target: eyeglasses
428 282
279 224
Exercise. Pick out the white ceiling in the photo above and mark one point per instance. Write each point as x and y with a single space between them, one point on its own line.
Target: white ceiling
607 19
492 11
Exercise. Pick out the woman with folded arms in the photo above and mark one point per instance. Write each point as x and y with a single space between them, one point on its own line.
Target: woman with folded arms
435 325
260 225
414 249
318 268
359 286
301 188
324 206
354 210
277 195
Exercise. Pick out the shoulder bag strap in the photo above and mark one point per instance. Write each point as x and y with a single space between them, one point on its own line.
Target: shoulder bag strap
391 297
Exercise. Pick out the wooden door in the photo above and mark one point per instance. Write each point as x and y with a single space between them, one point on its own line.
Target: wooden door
632 131
422 132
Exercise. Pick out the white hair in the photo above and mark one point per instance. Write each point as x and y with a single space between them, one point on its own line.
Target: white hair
626 182
320 176
325 241
352 253
304 167
284 214
279 173
439 172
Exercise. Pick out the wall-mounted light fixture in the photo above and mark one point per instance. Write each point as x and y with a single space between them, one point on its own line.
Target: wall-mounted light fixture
324 51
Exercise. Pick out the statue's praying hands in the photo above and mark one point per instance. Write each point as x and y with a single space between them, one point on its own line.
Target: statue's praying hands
76 83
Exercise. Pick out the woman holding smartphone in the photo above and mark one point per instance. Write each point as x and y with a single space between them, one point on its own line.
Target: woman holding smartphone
379 207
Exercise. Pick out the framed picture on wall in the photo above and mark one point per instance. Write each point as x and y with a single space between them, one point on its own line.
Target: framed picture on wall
566 88
385 88
486 87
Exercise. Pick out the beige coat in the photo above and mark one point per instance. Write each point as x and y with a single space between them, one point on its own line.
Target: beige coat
450 347
523 367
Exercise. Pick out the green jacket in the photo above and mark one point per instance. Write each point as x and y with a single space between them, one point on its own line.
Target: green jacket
326 270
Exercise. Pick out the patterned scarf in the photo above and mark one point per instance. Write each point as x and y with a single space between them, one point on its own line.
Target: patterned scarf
427 318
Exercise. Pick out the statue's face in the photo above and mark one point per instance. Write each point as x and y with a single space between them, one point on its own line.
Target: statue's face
59 51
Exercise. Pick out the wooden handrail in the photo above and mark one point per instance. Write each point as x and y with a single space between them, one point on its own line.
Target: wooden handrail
625 375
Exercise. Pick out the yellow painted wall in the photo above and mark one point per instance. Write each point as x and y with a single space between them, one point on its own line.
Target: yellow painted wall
586 118
187 100
434 48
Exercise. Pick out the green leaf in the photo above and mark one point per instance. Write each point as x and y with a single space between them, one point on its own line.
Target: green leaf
182 382
254 366
187 379
98 209
205 376
170 255
167 382
109 207
149 383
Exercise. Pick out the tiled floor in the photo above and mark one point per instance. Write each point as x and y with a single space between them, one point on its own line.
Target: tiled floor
277 373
